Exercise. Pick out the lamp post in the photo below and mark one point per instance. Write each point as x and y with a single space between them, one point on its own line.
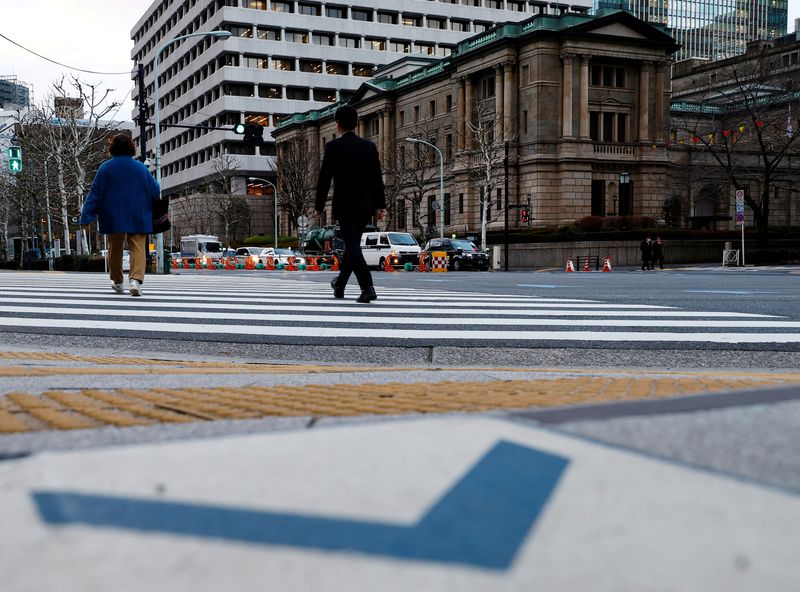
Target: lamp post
441 177
275 196
157 118
614 201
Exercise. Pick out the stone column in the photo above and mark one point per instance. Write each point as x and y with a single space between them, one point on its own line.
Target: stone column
460 114
386 133
566 96
508 100
659 118
644 101
499 104
584 98
468 113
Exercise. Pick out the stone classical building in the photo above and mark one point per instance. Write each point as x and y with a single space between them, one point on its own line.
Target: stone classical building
582 103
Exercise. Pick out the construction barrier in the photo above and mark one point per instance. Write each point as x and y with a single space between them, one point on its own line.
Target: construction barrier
313 264
387 265
422 266
249 263
570 268
270 263
586 265
438 261
291 266
607 264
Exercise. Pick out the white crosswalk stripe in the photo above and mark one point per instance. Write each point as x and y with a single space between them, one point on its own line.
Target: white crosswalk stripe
286 309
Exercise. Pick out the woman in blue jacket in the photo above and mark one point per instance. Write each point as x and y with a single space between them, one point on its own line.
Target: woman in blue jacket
121 199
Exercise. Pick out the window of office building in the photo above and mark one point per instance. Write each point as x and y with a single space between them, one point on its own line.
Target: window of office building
426 48
269 92
255 62
259 118
229 59
444 50
297 36
447 207
296 93
416 116
457 25
400 46
401 119
608 126
412 20
448 103
376 44
255 4
436 23
339 68
309 9
322 39
495 4
610 76
268 33
460 203
362 69
481 27
448 147
359 14
282 6
241 30
335 11
432 108
327 95
314 66
349 41
238 90
388 18
285 64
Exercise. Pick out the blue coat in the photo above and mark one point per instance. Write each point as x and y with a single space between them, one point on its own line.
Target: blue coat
122 196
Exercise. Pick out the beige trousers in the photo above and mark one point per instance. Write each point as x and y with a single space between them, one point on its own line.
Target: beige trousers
137 245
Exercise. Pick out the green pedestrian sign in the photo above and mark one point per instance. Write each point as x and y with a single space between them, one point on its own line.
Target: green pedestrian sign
15 159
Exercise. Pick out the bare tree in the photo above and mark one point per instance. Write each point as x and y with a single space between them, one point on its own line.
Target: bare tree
419 171
745 128
483 157
297 173
396 180
226 202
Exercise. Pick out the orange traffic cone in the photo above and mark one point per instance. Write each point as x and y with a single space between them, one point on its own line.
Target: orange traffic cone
387 265
422 262
291 266
607 264
335 266
586 265
313 264
570 267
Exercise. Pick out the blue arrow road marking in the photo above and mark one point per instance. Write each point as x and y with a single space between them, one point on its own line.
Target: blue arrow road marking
481 521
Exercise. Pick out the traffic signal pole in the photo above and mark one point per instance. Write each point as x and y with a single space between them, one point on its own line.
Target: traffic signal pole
505 231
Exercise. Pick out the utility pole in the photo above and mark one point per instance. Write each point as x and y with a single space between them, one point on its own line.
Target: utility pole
142 114
505 231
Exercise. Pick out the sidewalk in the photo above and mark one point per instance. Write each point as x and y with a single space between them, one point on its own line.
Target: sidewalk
691 493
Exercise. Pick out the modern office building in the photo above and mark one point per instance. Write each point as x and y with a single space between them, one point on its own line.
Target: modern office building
14 94
711 29
284 57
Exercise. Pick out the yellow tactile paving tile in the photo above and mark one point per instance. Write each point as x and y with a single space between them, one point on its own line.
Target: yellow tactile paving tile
90 408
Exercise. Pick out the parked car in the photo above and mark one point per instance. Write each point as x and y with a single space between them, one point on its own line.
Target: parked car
281 255
245 253
398 247
461 254
126 258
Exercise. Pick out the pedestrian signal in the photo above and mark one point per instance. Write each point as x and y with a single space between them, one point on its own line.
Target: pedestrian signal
15 159
253 133
524 216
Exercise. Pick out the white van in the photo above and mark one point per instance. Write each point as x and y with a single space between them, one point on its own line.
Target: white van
398 247
201 246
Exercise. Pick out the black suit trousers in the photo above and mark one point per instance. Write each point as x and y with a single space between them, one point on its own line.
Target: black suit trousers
353 259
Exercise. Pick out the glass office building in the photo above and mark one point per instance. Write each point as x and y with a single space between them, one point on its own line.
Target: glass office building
712 29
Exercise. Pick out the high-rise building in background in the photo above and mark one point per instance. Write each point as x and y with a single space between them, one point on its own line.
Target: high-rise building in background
285 57
14 94
711 29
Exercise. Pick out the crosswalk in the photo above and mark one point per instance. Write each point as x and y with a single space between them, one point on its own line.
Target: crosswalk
291 309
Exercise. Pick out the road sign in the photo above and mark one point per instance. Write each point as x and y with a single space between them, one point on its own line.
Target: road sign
302 220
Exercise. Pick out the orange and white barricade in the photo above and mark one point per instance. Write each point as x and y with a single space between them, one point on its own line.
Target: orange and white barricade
570 267
438 261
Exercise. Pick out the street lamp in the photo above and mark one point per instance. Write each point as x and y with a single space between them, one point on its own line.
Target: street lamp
275 196
441 177
157 117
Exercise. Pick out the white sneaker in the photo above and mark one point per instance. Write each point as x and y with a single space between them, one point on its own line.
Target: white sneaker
117 288
135 288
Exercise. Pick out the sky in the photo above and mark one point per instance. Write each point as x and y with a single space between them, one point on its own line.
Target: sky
87 34
91 35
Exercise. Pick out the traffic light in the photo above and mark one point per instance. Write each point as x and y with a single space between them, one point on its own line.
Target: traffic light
253 133
524 215
15 159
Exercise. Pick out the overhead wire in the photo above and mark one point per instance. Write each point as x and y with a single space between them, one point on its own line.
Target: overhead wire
128 73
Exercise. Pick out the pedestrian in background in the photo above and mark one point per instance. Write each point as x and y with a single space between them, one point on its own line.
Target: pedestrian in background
121 200
353 164
658 253
646 246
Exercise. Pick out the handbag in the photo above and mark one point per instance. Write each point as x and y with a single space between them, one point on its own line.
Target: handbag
161 221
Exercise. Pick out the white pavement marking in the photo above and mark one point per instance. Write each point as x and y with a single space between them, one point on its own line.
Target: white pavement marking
289 307
616 521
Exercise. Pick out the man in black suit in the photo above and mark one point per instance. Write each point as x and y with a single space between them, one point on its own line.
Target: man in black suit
355 168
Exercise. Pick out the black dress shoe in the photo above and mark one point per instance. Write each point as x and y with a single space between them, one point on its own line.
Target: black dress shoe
337 291
367 295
